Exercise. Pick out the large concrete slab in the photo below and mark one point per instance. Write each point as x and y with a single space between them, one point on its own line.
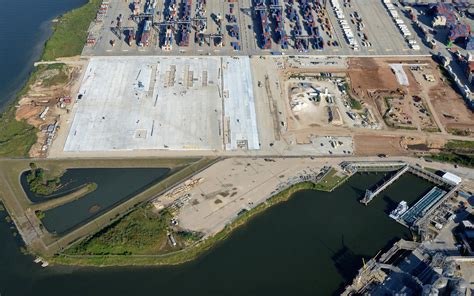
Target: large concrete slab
239 104
133 103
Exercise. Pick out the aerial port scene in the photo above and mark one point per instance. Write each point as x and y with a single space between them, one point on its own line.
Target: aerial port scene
237 147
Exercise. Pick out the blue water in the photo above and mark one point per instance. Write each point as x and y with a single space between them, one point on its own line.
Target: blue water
24 27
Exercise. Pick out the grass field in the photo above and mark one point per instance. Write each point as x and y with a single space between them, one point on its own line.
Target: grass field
141 232
60 78
457 152
460 145
457 158
70 33
330 181
16 137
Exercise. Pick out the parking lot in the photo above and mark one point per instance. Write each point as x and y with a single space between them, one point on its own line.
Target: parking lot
164 103
235 28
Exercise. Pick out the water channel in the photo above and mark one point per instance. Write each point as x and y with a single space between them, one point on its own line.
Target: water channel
113 187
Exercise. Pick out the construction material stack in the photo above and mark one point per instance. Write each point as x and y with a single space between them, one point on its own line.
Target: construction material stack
261 12
130 36
184 25
279 26
136 7
146 33
150 7
104 6
200 22
234 30
309 21
170 15
297 30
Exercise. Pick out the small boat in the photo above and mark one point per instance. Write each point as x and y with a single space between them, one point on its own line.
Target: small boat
399 211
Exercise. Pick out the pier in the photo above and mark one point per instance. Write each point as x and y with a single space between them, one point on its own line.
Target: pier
369 195
429 176
389 166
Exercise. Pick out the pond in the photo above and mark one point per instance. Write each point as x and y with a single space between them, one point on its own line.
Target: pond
114 186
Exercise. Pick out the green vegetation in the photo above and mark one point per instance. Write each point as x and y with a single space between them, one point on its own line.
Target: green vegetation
39 183
331 180
457 152
61 77
181 256
457 158
459 132
142 231
40 214
70 33
431 129
450 80
403 127
431 170
460 145
346 86
355 104
91 187
16 137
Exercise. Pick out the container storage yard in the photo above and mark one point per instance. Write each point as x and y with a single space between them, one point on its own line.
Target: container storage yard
251 27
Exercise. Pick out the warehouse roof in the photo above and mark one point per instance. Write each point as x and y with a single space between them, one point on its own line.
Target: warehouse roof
452 178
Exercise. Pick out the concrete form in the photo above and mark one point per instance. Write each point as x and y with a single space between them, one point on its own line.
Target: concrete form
239 104
173 103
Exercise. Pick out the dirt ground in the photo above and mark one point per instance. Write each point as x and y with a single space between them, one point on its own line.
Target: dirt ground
449 106
366 145
44 97
373 80
369 74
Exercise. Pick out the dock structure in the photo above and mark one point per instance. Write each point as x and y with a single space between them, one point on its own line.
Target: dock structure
429 176
389 166
422 206
423 221
400 245
373 166
369 194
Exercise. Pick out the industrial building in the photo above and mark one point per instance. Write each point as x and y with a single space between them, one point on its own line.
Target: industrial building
419 209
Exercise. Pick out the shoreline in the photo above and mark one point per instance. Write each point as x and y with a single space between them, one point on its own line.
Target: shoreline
18 130
185 255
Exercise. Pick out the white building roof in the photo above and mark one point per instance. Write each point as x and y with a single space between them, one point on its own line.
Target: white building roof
452 177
